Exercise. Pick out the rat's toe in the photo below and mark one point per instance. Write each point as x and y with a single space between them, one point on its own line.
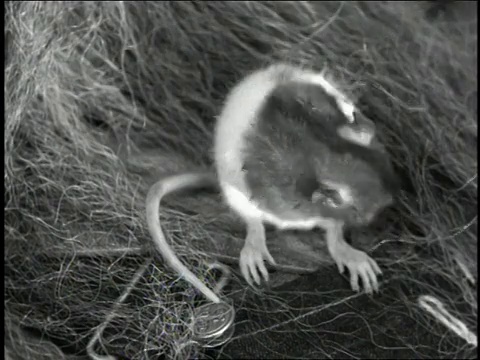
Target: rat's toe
254 271
245 271
375 266
263 270
366 281
373 279
340 266
270 258
354 280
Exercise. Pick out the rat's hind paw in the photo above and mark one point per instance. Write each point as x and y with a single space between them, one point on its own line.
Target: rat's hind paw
252 259
359 264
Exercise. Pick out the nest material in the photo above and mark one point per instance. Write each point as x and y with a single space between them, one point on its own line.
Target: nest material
103 97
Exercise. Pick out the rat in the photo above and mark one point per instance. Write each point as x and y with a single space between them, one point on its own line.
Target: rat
290 150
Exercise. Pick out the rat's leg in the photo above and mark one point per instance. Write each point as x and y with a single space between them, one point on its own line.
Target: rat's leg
254 252
357 262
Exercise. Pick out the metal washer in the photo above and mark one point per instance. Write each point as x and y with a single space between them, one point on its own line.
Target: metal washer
212 324
221 339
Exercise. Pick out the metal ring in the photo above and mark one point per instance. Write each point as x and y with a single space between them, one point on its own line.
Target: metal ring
212 324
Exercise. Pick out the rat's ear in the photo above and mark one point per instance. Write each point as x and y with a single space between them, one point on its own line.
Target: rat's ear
318 196
327 197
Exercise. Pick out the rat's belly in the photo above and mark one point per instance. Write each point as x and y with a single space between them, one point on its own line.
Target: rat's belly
247 208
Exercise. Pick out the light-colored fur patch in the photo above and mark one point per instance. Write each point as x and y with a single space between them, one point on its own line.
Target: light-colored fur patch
343 190
250 209
363 138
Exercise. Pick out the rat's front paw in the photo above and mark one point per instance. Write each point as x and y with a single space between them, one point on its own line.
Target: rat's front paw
252 259
359 264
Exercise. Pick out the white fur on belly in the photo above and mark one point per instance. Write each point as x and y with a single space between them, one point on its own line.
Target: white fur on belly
247 208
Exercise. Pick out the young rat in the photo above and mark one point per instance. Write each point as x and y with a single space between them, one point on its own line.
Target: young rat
286 163
290 150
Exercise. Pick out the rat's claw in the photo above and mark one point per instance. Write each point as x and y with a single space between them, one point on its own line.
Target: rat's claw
367 280
340 266
252 261
270 258
373 270
244 269
360 265
354 280
253 265
376 268
263 269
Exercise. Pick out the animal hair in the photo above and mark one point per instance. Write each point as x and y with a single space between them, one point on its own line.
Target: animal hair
295 128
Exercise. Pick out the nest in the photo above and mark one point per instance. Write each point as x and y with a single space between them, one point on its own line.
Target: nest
101 98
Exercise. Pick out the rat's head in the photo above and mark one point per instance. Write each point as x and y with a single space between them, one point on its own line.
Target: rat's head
355 183
318 103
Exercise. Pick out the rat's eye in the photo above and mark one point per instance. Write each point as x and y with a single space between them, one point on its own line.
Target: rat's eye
333 197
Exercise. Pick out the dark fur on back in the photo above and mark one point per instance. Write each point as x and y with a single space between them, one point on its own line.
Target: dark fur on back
302 104
296 128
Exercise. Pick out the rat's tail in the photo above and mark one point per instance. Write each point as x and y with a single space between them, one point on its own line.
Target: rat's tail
154 196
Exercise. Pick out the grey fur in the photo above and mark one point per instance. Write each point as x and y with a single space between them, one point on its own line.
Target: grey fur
294 146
